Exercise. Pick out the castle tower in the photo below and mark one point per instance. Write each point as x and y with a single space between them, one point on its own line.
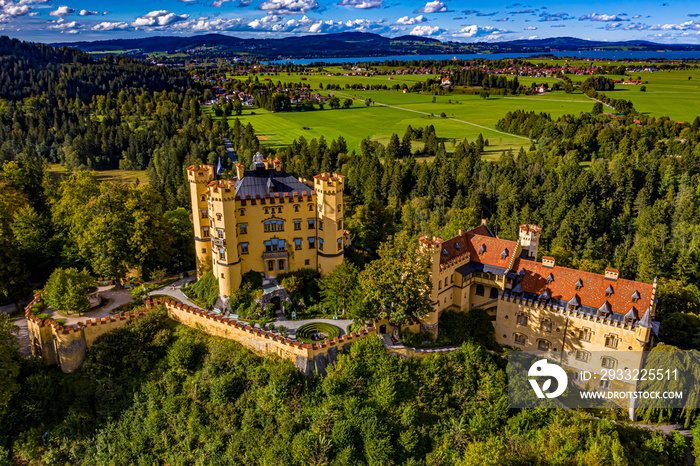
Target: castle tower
529 238
224 235
329 189
199 176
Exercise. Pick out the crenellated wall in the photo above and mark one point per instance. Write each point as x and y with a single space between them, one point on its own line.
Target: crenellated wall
67 346
306 357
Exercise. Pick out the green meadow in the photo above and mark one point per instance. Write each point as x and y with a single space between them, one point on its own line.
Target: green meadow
466 116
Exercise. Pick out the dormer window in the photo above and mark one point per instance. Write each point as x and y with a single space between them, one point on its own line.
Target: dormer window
444 252
635 296
631 315
457 246
609 291
574 303
550 279
604 309
504 254
545 295
482 249
579 284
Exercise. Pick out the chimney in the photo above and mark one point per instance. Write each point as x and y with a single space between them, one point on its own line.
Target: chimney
548 261
483 221
240 170
612 274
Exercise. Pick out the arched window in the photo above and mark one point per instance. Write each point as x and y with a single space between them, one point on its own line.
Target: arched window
493 294
480 290
273 225
296 207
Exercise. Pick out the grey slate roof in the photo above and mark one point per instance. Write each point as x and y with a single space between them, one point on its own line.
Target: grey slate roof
258 182
575 301
635 295
609 289
646 320
578 283
631 314
605 308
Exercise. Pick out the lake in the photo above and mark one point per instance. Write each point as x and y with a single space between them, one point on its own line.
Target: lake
593 54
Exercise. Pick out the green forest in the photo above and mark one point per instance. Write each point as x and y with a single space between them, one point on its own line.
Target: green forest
608 191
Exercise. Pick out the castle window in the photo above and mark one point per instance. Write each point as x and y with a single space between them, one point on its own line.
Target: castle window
311 224
244 248
550 279
584 356
584 334
609 291
297 243
320 225
218 216
543 345
340 207
311 207
270 266
307 262
297 225
222 253
604 384
274 245
280 264
296 207
204 250
222 275
635 296
493 294
546 325
205 232
267 210
204 213
312 243
203 197
340 244
439 284
480 290
521 319
482 249
608 363
241 212
320 244
220 232
519 339
243 229
340 225
273 225
611 341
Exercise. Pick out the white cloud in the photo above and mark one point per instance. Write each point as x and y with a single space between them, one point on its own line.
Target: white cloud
408 21
61 25
603 18
15 10
485 32
362 4
289 7
159 18
433 7
426 31
530 28
88 13
111 26
62 11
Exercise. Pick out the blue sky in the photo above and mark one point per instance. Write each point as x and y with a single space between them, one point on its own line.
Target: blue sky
72 20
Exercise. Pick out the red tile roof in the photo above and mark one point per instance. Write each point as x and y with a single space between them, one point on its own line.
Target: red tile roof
591 294
470 242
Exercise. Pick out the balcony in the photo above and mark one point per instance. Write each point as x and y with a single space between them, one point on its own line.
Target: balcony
279 254
219 242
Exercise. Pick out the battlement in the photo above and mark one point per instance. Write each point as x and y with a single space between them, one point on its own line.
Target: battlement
200 173
329 183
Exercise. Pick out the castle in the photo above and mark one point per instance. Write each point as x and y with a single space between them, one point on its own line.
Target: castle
540 306
265 220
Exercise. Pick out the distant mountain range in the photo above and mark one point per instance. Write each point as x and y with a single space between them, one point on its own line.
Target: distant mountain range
350 44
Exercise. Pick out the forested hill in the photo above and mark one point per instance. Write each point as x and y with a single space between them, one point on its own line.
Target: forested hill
350 44
32 69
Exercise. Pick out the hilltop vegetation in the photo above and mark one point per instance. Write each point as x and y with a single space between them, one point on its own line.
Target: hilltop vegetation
177 396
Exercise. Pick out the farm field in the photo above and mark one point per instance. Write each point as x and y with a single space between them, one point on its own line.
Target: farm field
394 111
668 94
